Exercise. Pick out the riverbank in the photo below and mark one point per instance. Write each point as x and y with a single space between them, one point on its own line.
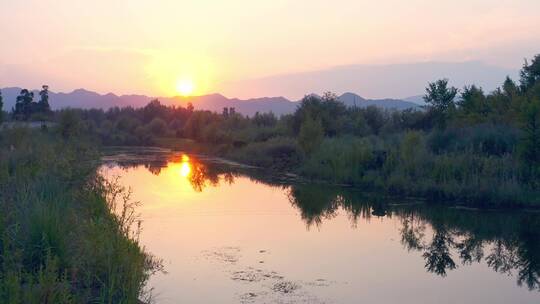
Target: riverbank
246 163
67 235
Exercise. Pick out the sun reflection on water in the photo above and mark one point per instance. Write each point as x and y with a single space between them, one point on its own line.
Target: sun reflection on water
185 166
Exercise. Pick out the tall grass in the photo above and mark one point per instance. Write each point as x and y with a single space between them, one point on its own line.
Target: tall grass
411 164
60 241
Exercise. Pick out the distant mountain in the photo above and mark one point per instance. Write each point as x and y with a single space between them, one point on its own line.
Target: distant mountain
418 99
376 81
85 99
79 98
351 99
216 102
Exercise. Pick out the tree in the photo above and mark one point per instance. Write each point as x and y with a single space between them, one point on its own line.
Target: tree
154 109
328 109
374 117
265 119
440 99
43 104
69 125
190 107
530 142
473 101
311 134
1 107
333 114
23 105
530 73
197 122
157 126
310 106
176 124
510 88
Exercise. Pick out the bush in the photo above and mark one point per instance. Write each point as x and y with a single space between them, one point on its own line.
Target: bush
341 160
279 153
157 127
484 139
310 135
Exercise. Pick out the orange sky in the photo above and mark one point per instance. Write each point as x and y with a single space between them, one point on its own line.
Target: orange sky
128 46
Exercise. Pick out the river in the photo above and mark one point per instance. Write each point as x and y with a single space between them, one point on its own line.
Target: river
232 234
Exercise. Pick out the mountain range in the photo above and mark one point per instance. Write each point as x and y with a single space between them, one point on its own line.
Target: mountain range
375 81
82 98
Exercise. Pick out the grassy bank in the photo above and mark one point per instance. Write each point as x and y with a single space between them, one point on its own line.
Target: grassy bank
466 167
407 165
60 240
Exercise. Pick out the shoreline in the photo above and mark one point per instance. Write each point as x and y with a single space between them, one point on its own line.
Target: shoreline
285 177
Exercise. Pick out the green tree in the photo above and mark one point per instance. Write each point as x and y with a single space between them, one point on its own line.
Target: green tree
334 113
43 104
1 107
311 134
412 152
69 125
530 73
510 88
328 109
157 126
530 142
374 117
440 99
197 122
23 106
473 102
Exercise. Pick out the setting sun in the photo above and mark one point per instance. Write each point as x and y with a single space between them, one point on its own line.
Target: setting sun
185 87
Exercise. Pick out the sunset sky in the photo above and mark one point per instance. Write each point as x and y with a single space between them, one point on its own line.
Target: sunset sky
167 47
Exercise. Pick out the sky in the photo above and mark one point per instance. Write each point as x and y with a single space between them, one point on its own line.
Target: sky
162 47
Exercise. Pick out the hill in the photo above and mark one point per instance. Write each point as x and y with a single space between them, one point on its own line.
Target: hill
85 99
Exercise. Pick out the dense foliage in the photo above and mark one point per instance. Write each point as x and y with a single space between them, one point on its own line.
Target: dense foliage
62 239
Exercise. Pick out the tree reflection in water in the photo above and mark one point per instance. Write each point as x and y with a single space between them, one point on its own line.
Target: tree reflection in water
508 241
447 238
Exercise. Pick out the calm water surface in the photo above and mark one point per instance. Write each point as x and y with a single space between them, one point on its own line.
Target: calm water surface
228 234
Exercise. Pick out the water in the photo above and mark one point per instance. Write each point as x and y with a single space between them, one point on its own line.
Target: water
230 234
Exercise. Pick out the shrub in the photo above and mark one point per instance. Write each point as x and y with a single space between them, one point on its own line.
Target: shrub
311 134
157 126
277 153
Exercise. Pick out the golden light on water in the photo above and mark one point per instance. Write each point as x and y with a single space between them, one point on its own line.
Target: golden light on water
185 166
185 169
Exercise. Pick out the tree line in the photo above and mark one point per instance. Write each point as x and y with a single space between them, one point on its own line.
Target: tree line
464 144
26 108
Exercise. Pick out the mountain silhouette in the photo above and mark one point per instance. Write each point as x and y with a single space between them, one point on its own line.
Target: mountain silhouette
85 99
376 81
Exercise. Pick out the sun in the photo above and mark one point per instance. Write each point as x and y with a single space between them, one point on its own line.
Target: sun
185 87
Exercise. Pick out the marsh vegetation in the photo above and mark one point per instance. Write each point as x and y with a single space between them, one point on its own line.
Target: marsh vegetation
67 235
